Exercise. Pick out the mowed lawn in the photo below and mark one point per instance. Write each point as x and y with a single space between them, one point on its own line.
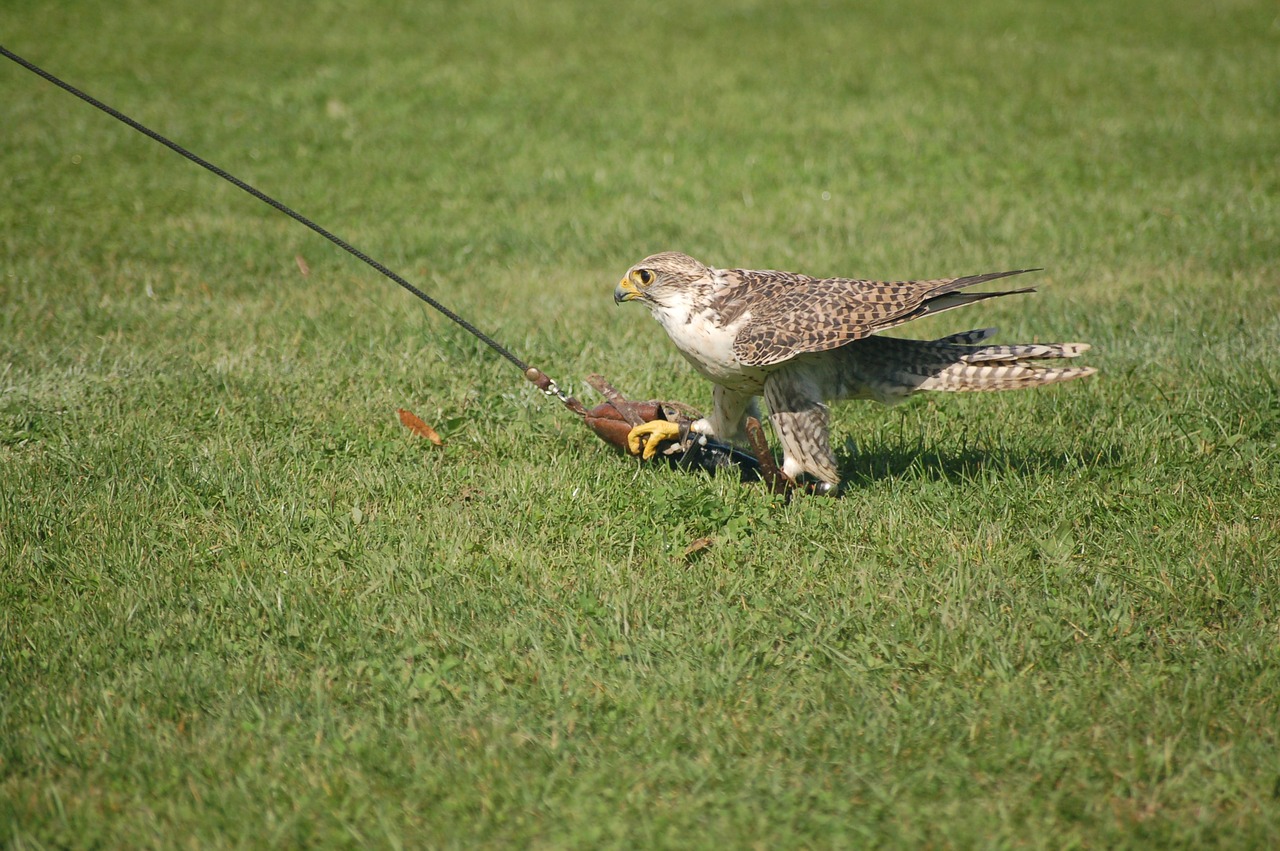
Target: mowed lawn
242 606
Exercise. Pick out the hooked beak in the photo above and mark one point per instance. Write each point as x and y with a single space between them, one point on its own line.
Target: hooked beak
625 291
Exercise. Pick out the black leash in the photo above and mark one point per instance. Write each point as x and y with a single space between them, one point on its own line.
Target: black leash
701 454
533 374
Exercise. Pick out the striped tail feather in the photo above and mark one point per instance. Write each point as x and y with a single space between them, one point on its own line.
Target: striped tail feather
955 364
1027 351
964 338
971 378
890 368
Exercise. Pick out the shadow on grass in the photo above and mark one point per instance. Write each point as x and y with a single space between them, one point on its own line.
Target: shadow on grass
876 463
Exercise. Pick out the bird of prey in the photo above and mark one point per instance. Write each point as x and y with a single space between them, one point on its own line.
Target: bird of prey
802 342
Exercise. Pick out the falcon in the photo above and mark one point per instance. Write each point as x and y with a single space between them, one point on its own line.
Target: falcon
802 342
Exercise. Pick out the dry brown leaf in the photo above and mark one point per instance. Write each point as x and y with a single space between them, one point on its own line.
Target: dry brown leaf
698 546
411 421
302 265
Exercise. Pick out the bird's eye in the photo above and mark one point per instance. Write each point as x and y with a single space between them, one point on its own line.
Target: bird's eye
645 276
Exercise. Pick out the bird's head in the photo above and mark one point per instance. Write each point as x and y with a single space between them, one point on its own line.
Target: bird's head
655 279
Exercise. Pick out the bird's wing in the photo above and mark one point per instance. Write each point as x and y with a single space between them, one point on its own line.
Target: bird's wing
791 314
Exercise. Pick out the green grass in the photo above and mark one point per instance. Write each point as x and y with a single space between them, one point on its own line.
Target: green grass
241 606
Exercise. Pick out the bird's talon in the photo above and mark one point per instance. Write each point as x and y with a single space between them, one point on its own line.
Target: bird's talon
656 431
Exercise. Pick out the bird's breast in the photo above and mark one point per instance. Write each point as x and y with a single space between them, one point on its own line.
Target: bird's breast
707 343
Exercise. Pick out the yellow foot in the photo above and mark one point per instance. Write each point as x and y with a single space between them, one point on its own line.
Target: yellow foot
657 431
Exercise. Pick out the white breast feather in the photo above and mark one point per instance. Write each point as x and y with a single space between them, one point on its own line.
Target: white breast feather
706 344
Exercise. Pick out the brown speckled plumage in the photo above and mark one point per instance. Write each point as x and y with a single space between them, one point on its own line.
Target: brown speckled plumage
802 341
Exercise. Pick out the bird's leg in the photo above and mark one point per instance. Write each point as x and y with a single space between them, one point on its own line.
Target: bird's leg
728 420
802 424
